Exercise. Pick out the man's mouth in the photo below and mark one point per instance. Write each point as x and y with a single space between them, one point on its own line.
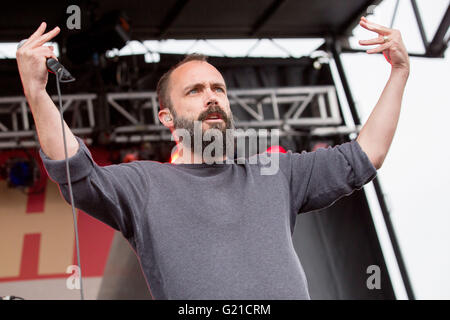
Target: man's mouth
214 117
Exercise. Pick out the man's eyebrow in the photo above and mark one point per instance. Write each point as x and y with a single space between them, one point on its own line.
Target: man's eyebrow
219 84
193 85
202 84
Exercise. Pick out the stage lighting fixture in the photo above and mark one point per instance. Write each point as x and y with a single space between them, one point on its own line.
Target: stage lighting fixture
274 149
21 172
109 32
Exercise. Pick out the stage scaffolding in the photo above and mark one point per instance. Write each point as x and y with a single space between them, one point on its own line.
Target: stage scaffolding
314 108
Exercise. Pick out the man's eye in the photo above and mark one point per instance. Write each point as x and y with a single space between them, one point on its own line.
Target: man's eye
220 89
192 91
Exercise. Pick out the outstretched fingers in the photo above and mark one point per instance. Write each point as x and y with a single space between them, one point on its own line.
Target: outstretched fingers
39 31
38 38
379 48
47 37
378 40
366 24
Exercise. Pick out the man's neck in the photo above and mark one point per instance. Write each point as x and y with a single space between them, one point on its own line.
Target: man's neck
186 156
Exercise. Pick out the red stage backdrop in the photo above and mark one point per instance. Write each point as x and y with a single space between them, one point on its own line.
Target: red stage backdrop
37 238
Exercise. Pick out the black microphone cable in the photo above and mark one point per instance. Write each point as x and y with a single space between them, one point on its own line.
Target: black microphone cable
61 76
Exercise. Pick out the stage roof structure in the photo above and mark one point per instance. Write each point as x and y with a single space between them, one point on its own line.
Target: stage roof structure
184 19
215 19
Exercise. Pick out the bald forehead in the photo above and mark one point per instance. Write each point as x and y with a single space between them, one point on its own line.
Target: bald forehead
195 72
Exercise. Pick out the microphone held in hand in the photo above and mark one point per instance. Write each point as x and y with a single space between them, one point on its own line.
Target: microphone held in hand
55 67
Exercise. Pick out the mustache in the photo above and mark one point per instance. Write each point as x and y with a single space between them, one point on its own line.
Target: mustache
214 109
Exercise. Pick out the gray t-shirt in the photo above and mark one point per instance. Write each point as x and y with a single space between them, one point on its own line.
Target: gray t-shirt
214 231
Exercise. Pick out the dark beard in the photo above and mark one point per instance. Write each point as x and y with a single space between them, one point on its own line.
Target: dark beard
227 140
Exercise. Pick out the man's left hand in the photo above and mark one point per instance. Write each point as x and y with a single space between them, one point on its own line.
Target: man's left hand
390 43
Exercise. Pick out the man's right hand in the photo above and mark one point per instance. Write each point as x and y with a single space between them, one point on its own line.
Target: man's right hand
32 62
32 57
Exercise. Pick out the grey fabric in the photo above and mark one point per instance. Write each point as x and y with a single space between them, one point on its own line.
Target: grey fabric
219 231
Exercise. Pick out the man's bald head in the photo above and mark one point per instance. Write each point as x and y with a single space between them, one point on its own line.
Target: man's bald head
162 89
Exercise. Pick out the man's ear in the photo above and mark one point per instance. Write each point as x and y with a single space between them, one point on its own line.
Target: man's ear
165 117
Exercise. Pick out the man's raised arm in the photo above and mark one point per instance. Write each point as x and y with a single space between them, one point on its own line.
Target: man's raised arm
31 60
376 135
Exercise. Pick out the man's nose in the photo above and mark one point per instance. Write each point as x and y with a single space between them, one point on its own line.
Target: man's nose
212 101
211 98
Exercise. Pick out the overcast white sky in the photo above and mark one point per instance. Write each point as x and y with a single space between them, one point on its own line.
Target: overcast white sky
415 176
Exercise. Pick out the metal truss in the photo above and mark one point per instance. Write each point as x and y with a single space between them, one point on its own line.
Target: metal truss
135 114
16 121
283 108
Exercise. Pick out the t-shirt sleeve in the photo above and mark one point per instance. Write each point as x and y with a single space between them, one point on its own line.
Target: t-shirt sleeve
113 194
319 178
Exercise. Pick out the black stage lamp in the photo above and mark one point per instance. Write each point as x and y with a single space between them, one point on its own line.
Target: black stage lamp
20 172
109 32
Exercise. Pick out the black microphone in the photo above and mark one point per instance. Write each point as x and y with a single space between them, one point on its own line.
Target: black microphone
55 67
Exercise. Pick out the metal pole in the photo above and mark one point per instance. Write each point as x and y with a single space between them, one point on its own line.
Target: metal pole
420 24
